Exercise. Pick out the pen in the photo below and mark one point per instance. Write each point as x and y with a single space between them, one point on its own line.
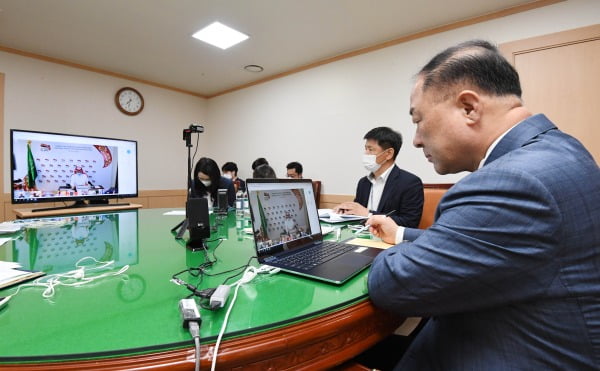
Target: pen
367 226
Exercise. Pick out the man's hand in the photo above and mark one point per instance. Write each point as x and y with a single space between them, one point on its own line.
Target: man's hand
383 227
353 208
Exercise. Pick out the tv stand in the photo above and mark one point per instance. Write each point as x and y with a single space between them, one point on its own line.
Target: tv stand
77 204
78 207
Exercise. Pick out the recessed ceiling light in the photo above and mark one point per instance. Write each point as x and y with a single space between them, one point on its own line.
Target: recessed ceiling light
219 35
253 68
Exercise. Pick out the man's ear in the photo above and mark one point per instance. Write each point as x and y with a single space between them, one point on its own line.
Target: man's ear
470 103
388 155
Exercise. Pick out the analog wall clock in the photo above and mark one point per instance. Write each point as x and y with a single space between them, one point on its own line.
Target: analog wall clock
129 101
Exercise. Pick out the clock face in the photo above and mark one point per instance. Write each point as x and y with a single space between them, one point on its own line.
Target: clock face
129 101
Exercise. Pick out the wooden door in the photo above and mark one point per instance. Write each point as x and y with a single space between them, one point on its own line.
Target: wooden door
560 77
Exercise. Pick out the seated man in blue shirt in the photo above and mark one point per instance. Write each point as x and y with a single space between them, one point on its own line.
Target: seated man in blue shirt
387 188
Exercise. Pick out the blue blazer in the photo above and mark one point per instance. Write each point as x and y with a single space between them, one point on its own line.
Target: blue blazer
402 192
510 270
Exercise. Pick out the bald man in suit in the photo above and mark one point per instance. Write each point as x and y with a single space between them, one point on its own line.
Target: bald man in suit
510 270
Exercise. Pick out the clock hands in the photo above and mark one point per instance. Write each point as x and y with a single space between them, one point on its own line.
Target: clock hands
129 101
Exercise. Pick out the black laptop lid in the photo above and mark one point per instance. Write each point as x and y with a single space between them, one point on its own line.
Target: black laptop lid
284 215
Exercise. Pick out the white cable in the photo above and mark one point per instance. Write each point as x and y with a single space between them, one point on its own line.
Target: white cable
66 279
248 276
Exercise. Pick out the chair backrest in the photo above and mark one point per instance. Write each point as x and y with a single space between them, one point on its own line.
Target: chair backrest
432 197
317 191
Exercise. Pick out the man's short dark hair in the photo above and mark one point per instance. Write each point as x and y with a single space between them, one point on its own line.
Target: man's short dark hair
259 161
264 171
296 166
229 166
475 62
386 138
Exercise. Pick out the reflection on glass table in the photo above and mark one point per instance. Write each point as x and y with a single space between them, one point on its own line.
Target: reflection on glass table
56 248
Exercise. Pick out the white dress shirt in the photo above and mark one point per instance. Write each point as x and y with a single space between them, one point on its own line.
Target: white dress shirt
377 186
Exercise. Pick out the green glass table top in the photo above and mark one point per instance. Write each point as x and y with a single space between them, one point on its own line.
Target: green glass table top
137 311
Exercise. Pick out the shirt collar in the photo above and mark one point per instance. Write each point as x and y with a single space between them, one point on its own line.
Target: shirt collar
383 177
493 145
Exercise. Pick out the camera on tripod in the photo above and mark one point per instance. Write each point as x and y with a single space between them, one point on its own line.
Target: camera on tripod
187 133
196 128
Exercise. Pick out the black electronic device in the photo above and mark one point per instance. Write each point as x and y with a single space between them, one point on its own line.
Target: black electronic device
222 201
291 238
198 222
49 167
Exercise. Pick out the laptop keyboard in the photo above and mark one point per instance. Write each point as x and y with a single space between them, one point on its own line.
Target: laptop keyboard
311 257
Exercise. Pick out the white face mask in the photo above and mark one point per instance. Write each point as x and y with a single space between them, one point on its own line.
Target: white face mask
370 163
228 175
206 183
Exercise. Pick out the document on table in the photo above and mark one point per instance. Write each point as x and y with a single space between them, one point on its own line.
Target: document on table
370 243
9 227
328 216
11 274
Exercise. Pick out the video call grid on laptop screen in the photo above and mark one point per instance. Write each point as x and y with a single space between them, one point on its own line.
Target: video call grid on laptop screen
284 215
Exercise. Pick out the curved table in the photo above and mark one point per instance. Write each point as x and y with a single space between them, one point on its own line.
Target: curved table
132 320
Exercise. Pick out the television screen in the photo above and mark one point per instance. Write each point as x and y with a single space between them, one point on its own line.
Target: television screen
50 167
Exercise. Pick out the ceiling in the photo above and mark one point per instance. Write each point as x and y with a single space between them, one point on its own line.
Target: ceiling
150 40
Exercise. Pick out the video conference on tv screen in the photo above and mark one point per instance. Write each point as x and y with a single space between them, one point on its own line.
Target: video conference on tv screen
51 166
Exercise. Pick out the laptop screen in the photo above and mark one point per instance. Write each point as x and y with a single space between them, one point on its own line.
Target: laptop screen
284 214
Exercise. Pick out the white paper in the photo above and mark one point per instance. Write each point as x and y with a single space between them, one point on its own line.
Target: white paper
10 227
8 265
327 215
4 240
175 212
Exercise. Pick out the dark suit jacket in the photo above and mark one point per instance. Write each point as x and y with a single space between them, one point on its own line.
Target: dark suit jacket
402 192
510 270
227 184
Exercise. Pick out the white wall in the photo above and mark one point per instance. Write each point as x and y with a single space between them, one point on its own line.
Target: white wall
319 116
52 97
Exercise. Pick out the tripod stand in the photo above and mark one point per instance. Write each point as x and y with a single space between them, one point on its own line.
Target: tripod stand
184 225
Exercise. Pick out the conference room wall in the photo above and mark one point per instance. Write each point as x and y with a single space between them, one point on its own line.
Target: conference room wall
319 116
53 97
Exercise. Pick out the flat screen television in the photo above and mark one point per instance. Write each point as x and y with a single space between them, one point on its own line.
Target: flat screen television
48 167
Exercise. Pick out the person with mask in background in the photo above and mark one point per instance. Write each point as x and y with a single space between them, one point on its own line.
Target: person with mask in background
230 171
208 181
386 188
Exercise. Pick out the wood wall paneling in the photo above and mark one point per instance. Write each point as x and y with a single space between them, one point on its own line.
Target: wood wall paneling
166 199
560 76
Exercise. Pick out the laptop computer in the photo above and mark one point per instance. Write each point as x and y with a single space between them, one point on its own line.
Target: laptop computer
287 233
